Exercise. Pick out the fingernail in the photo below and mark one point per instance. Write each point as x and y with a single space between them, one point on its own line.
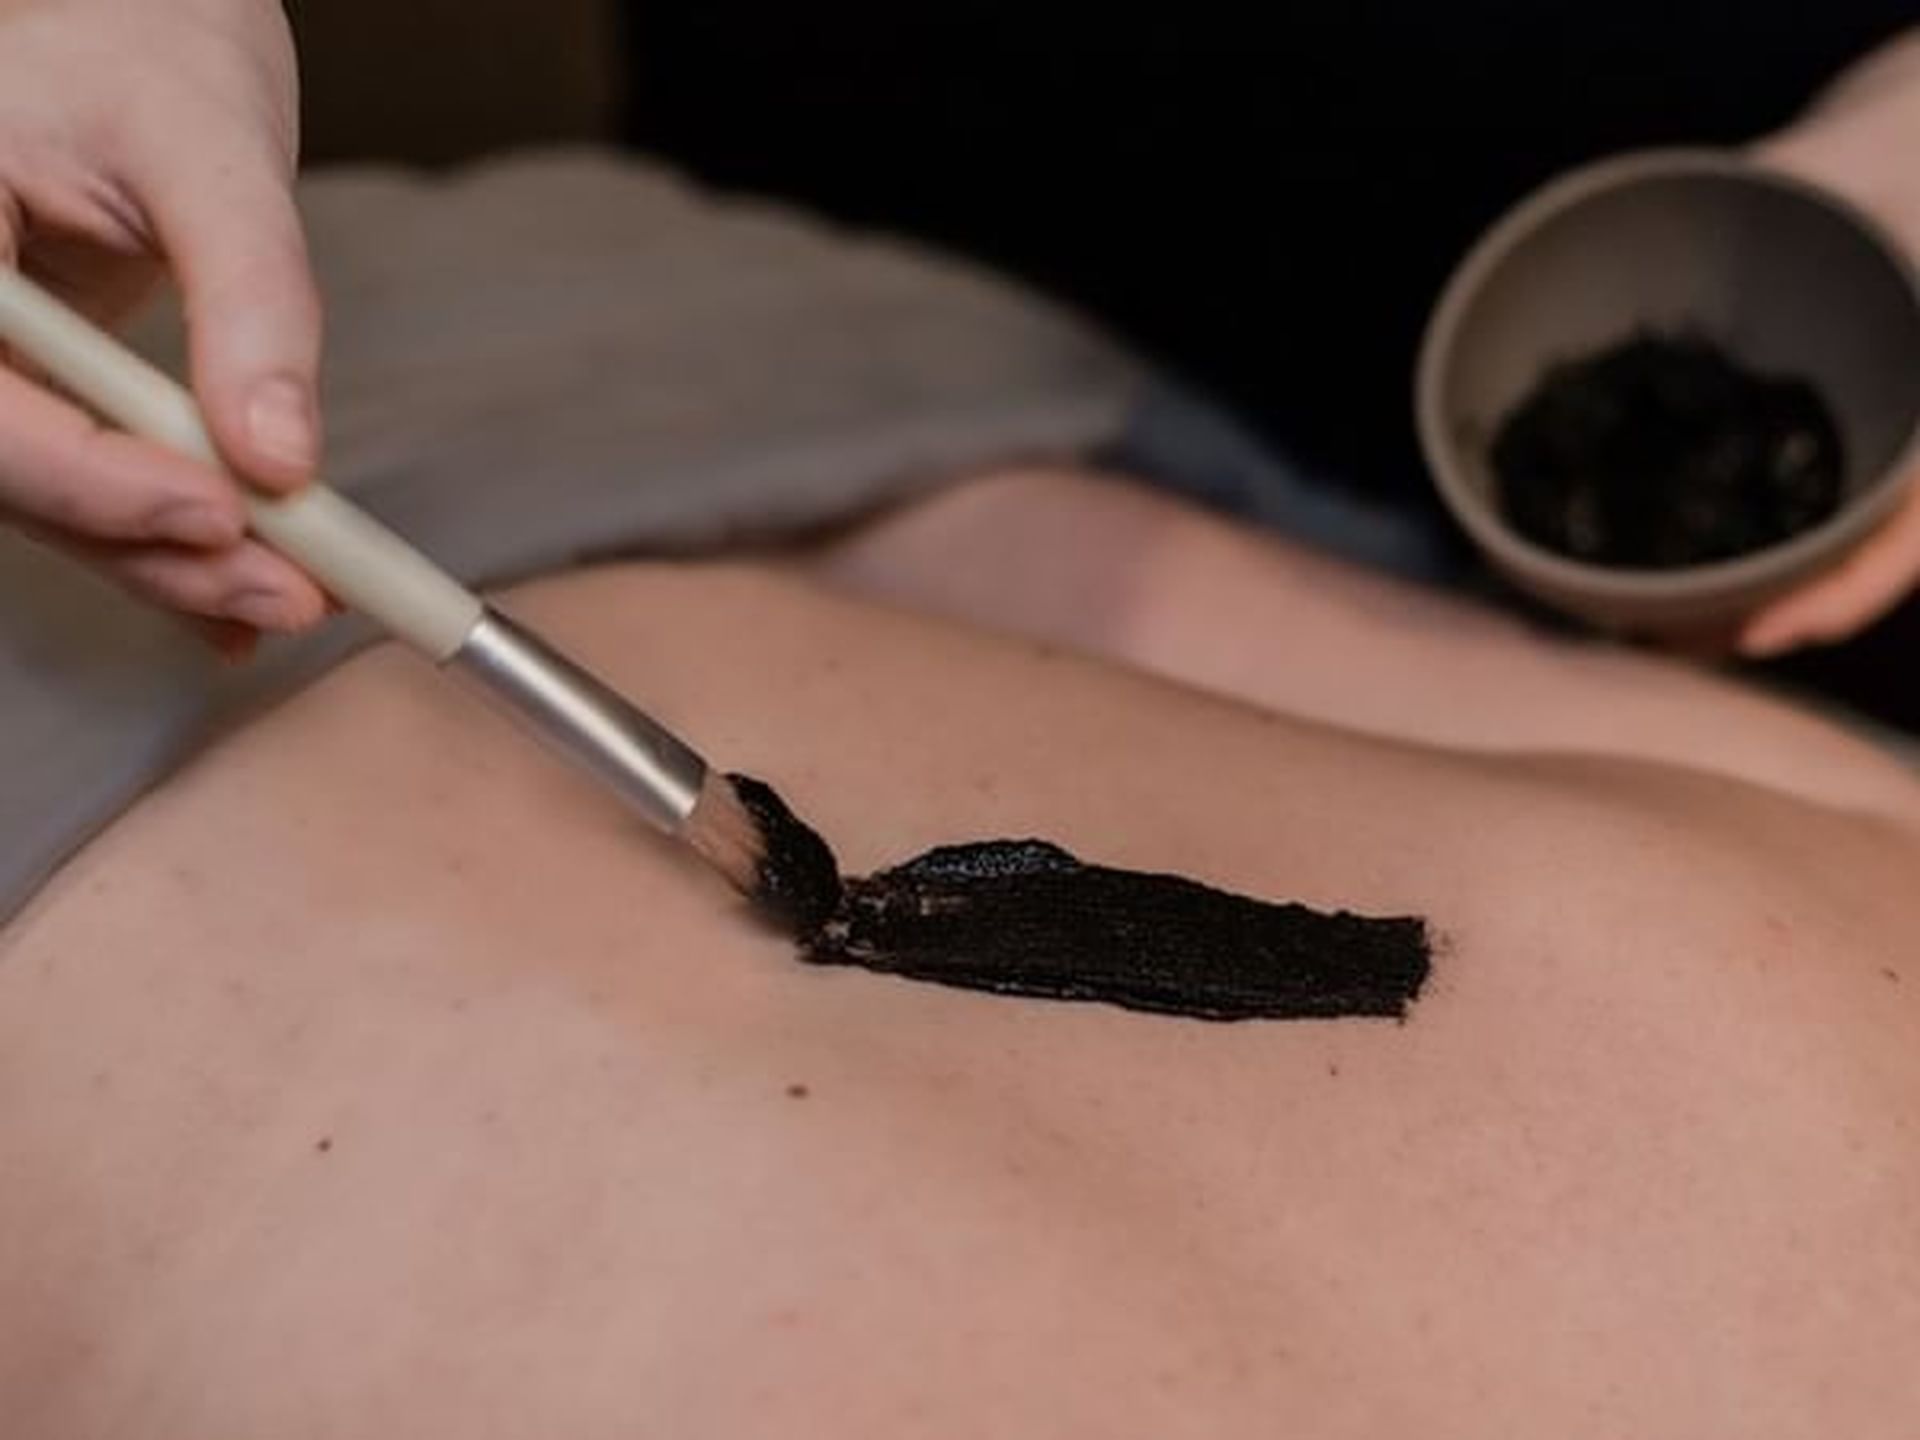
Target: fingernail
195 522
262 609
280 422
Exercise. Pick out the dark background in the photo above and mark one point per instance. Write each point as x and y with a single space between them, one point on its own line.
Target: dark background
1264 198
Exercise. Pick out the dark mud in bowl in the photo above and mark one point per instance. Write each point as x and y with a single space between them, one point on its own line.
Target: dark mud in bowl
1782 280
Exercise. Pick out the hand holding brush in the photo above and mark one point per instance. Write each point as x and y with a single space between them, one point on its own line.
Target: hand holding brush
372 570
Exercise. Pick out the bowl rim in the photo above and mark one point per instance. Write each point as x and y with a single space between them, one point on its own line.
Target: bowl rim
1482 521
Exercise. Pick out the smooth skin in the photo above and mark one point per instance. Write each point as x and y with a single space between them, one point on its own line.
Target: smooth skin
142 134
373 1077
1094 562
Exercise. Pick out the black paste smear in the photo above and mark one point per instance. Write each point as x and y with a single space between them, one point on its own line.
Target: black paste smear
1662 452
1025 917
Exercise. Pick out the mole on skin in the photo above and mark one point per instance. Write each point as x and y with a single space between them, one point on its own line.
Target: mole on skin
1025 917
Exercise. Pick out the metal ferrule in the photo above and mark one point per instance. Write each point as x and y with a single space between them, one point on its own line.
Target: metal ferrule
582 719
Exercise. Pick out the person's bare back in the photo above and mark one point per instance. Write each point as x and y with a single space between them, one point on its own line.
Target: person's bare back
372 1078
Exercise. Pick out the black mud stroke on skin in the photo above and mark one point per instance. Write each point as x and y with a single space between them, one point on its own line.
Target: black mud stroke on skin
1025 917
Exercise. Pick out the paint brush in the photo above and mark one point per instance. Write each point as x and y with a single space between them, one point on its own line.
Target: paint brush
372 570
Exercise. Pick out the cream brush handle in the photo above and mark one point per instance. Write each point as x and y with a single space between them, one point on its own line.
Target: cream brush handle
379 574
354 556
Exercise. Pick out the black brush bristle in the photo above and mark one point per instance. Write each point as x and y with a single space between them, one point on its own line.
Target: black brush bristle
799 881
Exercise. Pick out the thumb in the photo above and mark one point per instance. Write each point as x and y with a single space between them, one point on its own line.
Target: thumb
227 221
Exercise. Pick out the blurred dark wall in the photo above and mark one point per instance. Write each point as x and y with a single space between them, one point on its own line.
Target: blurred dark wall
433 81
1267 197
